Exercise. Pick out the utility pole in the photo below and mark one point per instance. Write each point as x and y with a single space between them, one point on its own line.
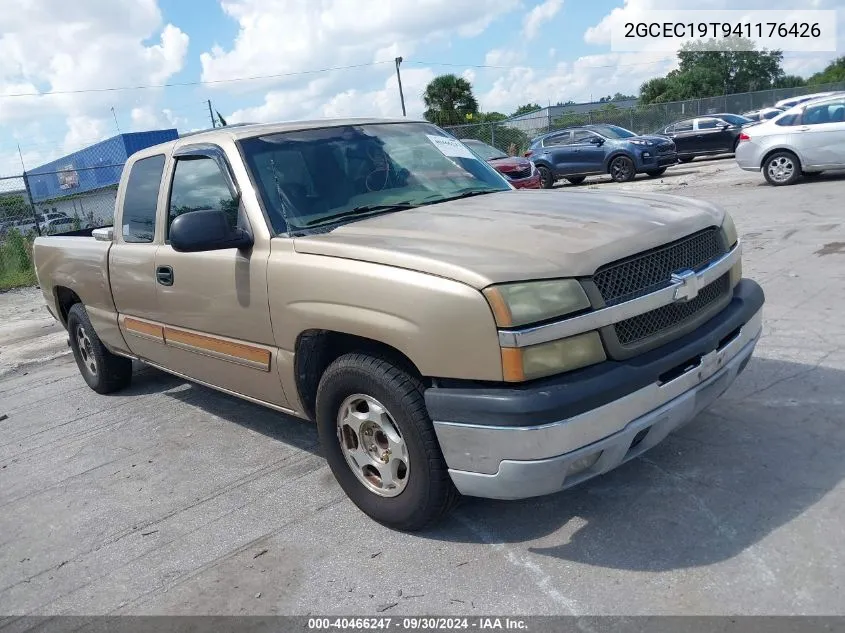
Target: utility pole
29 193
114 114
398 61
211 114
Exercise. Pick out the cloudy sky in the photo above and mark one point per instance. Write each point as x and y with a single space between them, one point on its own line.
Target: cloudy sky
259 60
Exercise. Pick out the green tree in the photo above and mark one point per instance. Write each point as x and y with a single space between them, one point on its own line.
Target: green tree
13 207
526 108
490 117
448 100
790 81
833 72
617 97
707 69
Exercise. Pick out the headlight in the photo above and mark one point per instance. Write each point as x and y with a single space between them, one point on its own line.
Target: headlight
641 141
532 301
729 230
555 357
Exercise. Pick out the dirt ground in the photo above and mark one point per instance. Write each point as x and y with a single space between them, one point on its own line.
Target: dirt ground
170 498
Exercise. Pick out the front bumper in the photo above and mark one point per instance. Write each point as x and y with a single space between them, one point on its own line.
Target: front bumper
501 444
655 160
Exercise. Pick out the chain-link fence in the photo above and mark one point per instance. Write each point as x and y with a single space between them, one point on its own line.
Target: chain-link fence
43 202
514 135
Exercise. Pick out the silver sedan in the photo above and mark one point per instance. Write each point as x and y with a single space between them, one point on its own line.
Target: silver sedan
805 140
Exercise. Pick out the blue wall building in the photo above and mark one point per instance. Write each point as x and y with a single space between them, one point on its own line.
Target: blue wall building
84 183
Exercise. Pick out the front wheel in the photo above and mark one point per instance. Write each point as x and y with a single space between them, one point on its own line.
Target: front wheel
781 168
547 179
576 180
103 371
655 173
380 443
622 169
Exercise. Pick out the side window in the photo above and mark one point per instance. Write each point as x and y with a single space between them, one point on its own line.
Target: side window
683 126
708 124
141 199
788 120
558 139
826 113
580 137
198 185
669 130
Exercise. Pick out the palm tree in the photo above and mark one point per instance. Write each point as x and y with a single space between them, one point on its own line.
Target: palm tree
448 100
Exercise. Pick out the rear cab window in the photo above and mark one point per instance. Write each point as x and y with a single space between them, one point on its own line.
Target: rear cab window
140 201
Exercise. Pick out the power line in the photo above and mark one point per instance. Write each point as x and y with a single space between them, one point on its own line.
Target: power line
191 83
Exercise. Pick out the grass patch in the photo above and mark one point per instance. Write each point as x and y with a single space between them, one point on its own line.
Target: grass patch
16 267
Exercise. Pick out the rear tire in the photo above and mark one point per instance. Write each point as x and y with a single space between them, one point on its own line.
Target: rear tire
622 169
547 179
576 180
103 371
656 173
781 168
380 444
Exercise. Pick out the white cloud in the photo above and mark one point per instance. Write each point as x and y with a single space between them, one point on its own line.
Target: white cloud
592 76
503 57
149 118
538 16
310 102
68 46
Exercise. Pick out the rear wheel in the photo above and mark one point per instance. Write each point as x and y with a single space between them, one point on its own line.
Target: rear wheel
547 179
654 173
622 169
103 371
576 180
781 168
380 443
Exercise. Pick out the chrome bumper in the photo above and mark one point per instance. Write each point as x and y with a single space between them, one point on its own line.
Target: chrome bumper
519 462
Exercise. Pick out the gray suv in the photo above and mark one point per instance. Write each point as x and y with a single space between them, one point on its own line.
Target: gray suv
577 152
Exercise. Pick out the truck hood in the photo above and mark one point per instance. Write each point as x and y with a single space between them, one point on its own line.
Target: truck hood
517 235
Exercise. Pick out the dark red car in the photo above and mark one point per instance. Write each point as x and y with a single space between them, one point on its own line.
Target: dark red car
518 170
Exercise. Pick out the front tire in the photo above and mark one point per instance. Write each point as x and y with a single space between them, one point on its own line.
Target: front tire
781 168
622 169
547 179
380 444
576 180
685 159
103 371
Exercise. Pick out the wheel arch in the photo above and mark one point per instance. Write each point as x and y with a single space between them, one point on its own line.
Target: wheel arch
780 148
616 154
65 299
316 349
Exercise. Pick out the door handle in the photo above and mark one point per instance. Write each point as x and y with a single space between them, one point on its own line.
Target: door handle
804 128
164 275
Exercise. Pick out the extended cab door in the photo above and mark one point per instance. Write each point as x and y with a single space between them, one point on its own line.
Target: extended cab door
132 255
214 304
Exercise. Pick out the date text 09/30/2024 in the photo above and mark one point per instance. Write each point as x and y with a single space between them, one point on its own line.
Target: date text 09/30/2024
418 624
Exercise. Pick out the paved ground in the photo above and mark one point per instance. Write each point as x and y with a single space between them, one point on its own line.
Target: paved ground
171 498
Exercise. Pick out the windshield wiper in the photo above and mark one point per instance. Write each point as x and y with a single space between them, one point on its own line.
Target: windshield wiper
363 209
464 194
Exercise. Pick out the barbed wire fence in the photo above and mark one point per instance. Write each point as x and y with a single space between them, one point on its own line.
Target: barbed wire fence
514 135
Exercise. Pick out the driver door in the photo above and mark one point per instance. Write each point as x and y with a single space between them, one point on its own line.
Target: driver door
214 304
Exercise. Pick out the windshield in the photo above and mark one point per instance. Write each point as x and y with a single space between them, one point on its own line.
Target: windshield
612 131
733 119
484 150
311 177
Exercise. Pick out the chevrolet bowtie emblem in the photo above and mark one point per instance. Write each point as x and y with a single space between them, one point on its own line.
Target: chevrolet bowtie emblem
688 285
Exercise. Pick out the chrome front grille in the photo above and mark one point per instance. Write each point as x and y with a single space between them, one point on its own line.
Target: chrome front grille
519 174
639 328
652 270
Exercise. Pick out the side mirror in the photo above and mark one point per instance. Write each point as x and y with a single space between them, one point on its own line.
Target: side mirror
725 126
206 231
595 140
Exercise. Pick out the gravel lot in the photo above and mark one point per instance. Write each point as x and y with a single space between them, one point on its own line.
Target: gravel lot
173 499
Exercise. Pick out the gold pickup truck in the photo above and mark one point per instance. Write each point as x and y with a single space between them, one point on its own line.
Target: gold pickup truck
447 333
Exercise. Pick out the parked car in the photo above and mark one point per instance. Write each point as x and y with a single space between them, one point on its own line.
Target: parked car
447 335
805 140
521 172
59 224
791 102
577 152
763 114
705 136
